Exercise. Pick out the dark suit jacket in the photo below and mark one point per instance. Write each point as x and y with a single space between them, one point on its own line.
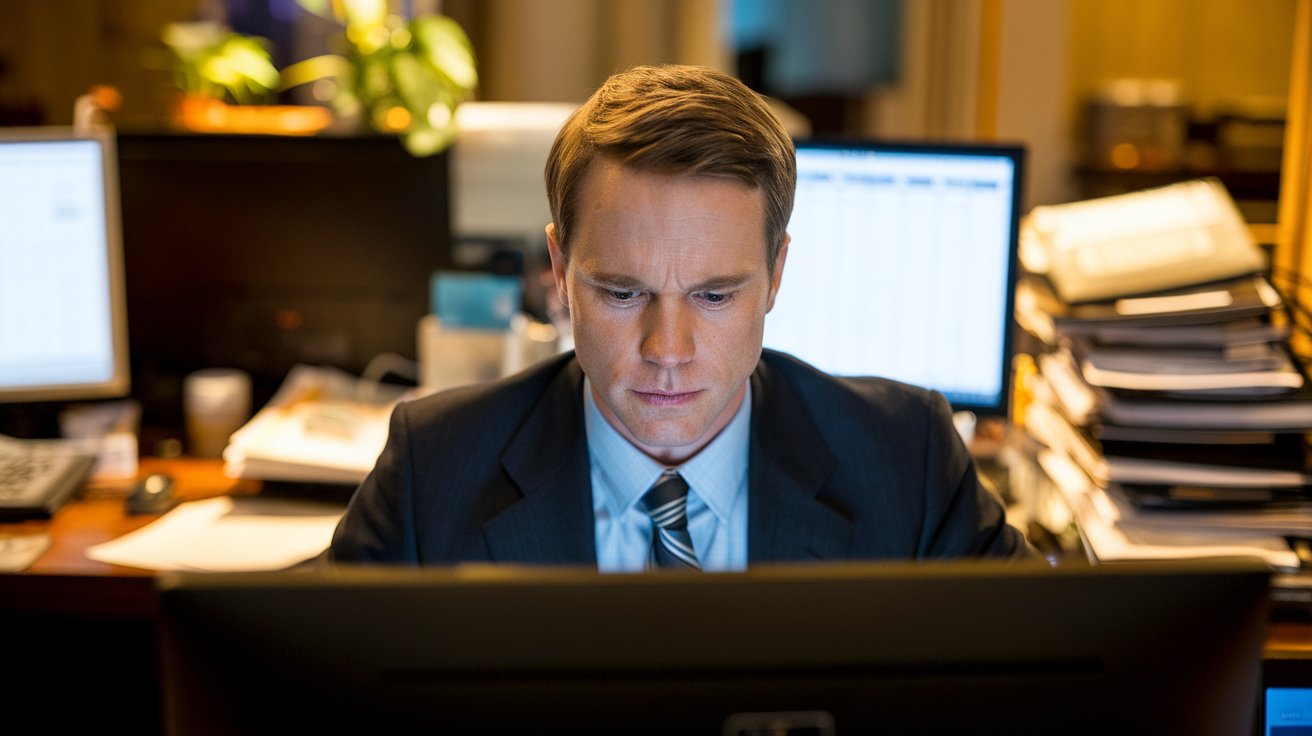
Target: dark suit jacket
838 469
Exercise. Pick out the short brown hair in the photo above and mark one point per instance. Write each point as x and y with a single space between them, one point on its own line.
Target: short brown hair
676 120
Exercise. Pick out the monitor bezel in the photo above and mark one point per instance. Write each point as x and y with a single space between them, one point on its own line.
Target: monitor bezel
1016 154
118 384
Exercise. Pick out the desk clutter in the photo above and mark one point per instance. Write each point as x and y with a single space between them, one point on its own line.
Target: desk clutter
1173 421
325 425
226 534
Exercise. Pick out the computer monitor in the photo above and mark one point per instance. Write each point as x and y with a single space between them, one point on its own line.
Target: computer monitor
261 252
499 209
979 647
63 326
903 264
498 194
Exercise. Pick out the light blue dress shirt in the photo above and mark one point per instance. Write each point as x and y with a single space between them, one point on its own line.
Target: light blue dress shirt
717 493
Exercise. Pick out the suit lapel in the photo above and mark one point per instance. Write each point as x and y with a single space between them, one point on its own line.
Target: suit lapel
552 522
547 460
788 464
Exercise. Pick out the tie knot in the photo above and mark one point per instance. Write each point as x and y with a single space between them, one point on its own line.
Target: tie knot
667 501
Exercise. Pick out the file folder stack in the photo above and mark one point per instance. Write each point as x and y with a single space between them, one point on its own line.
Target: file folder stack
1174 421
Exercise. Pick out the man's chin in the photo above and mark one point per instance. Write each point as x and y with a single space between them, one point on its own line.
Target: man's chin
666 442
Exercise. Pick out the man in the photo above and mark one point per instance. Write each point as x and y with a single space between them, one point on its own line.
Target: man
668 438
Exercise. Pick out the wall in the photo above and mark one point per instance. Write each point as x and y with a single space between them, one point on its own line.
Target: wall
57 50
561 50
993 69
1225 52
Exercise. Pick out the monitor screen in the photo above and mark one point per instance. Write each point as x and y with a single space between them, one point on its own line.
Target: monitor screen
968 647
903 265
262 252
1287 696
63 327
497 189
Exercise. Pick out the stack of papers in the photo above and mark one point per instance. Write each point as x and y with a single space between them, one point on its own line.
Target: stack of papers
1109 539
1173 420
320 427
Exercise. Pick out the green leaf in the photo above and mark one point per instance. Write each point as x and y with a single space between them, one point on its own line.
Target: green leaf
447 48
426 141
315 68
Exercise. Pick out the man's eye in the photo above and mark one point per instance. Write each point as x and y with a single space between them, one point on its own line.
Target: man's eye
622 296
714 298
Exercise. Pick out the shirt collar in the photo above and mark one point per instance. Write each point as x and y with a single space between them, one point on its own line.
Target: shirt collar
716 474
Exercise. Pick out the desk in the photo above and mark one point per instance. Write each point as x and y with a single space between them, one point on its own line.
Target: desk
89 627
64 580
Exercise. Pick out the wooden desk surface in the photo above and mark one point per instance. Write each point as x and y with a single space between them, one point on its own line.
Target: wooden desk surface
64 580
98 515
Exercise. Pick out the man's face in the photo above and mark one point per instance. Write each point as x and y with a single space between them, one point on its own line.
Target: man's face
667 288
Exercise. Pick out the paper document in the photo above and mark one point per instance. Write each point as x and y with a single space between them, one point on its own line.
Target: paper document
317 428
1283 375
1141 242
226 534
1108 541
1048 427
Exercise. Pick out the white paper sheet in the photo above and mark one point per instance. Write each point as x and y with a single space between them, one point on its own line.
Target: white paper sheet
225 535
1098 519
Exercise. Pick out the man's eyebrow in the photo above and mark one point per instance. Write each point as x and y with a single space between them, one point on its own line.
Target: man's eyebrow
724 283
621 282
618 282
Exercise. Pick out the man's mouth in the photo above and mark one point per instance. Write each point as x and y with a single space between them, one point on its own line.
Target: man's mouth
667 398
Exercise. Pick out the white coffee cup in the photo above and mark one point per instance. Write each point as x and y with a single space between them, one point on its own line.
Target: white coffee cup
216 402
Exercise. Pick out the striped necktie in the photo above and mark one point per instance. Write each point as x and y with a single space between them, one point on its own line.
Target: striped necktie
667 505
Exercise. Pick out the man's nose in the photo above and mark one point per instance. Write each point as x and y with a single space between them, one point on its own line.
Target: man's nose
668 338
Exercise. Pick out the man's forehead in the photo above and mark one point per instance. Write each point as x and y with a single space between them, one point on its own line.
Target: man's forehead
627 198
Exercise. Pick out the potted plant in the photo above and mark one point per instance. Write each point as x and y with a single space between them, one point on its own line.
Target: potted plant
227 79
393 74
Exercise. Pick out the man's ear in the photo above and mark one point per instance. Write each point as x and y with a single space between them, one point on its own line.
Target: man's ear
557 265
776 278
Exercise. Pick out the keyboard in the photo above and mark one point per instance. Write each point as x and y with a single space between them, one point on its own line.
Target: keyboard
39 476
